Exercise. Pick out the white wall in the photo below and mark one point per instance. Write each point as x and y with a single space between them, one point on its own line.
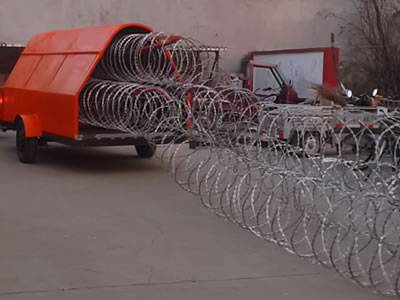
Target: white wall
241 25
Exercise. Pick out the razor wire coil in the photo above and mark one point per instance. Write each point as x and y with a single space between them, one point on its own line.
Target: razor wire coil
321 183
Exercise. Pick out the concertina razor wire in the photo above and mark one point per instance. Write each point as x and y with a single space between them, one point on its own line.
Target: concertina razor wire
329 192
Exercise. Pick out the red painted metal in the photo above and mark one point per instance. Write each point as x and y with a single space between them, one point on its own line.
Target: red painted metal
260 65
250 72
331 63
50 74
286 51
32 125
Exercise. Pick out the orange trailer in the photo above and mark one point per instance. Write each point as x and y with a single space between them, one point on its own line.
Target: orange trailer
40 98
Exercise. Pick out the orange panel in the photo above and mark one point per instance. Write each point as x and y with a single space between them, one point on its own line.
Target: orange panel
45 72
61 116
91 39
23 70
60 42
72 74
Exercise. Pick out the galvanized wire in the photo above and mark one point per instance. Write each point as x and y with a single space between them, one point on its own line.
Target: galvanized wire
155 58
323 183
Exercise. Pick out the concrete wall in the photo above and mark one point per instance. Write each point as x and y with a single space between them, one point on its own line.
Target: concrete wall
241 25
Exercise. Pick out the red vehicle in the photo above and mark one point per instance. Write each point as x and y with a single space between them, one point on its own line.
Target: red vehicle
40 97
268 83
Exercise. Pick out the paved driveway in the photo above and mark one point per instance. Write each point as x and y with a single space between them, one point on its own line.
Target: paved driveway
102 224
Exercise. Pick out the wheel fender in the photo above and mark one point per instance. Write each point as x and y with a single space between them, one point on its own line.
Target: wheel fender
32 125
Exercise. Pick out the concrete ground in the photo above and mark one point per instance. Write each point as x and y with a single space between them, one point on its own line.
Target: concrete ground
102 224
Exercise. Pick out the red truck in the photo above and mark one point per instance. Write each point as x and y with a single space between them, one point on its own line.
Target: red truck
304 67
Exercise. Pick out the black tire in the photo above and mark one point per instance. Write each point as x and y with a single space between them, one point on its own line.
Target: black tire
147 150
26 147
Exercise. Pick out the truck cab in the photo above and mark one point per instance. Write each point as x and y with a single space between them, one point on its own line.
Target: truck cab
269 84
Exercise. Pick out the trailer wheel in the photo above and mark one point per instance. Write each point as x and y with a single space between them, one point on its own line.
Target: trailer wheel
26 147
147 150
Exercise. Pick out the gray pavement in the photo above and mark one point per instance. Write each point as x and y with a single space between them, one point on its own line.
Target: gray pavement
102 224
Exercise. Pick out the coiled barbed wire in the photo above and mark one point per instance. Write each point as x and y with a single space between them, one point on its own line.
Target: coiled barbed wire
129 107
323 183
155 58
